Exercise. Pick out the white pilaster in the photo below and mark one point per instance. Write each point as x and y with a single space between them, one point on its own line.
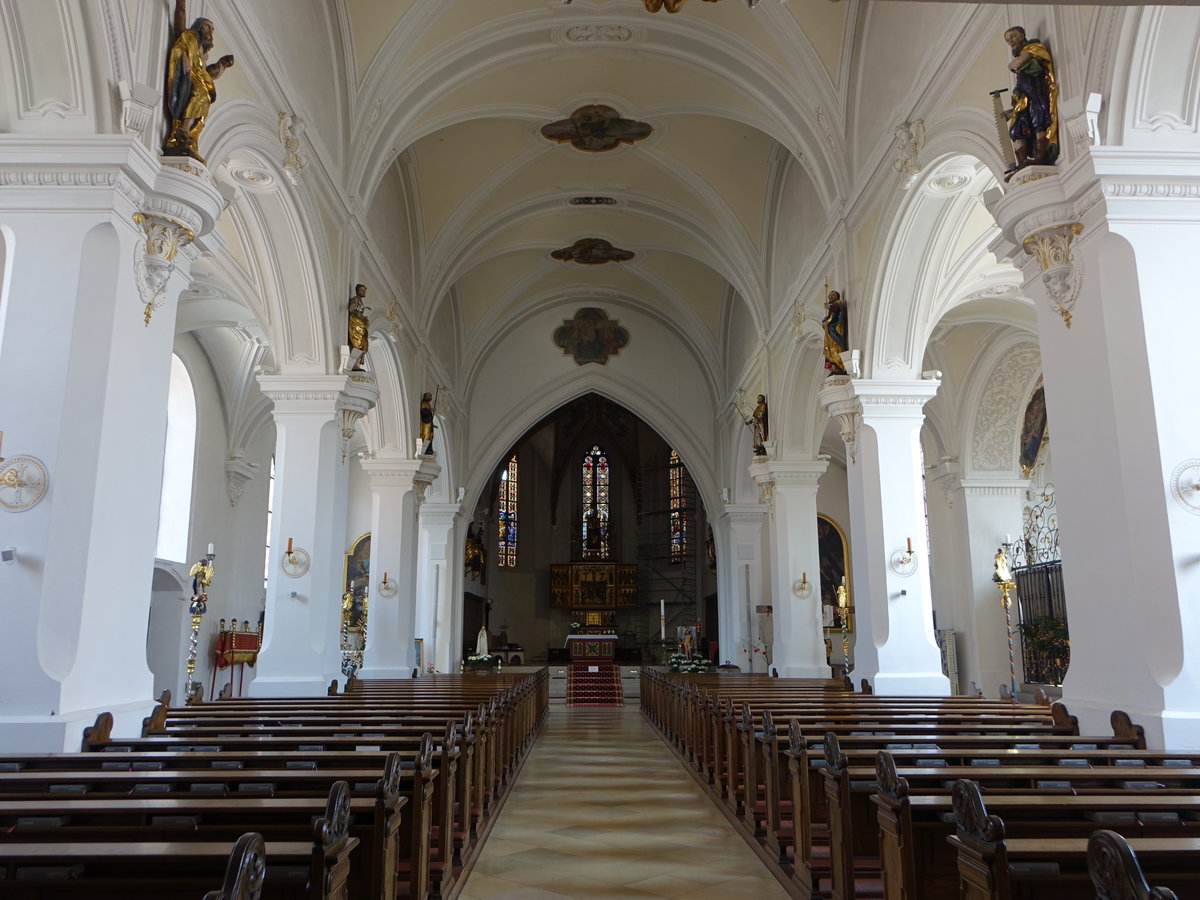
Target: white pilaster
990 509
742 587
799 647
894 646
1113 238
85 392
396 486
301 650
437 601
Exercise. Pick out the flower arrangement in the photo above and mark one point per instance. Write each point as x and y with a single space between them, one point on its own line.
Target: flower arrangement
688 665
430 669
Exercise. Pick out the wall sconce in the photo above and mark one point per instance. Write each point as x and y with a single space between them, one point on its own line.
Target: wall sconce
903 562
386 588
802 588
295 562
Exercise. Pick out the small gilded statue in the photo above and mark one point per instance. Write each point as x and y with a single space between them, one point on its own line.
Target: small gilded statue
1033 119
837 337
357 326
190 83
426 433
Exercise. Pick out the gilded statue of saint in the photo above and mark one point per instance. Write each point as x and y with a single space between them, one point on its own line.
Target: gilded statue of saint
427 412
837 338
1033 119
190 83
357 326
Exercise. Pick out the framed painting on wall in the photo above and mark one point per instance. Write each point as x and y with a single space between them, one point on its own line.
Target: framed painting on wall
356 568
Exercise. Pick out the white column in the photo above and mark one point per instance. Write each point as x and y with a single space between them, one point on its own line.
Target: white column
742 588
301 640
990 509
85 392
436 583
1112 239
396 486
894 645
799 646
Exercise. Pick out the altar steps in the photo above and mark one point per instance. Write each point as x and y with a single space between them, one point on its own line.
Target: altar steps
599 688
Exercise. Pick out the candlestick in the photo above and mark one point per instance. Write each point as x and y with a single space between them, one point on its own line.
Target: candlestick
910 545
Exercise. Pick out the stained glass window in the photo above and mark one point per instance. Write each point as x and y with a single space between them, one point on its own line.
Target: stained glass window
594 527
679 513
506 538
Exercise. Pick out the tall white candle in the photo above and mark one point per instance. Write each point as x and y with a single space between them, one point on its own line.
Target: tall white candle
210 549
662 619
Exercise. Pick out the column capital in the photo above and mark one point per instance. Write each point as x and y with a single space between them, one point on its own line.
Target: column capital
995 487
743 513
317 394
799 472
394 470
443 514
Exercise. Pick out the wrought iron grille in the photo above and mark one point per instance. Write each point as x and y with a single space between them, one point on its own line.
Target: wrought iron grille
1042 608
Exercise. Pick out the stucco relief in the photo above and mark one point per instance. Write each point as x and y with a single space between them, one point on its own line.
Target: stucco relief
993 441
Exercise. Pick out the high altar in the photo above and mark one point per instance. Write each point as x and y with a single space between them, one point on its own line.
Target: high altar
595 591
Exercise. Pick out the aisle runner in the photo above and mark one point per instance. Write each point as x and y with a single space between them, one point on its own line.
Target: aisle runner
602 809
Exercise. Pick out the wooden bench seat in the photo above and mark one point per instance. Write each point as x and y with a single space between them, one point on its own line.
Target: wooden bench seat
315 869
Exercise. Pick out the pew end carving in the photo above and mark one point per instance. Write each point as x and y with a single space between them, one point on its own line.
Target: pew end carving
99 733
1063 719
1124 728
1115 871
245 872
156 722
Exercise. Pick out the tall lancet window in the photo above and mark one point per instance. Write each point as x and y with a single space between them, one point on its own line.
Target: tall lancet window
679 513
593 531
506 536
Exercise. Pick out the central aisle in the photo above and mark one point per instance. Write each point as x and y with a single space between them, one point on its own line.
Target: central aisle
602 809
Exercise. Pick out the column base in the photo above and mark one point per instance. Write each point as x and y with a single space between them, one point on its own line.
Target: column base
907 684
64 734
1165 729
295 686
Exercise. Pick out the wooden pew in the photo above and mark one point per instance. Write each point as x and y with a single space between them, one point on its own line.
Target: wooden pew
993 868
172 869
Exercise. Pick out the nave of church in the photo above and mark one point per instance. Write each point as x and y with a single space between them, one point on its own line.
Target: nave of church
393 340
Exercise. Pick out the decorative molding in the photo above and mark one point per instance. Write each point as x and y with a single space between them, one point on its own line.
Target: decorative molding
155 262
138 103
238 473
253 178
910 139
999 414
290 131
594 33
1051 247
592 252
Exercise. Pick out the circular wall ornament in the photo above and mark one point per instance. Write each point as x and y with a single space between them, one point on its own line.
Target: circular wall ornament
386 588
1185 485
295 564
23 483
802 589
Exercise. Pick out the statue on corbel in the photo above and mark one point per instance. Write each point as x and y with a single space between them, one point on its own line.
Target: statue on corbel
1032 121
758 421
357 328
190 83
836 326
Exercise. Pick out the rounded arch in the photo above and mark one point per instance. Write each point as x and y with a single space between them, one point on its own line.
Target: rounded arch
283 237
921 269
